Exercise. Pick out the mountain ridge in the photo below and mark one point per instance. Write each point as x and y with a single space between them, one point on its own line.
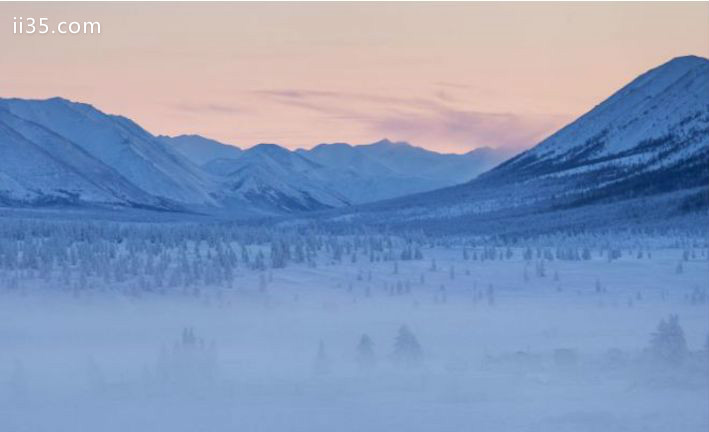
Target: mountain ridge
71 153
341 173
647 142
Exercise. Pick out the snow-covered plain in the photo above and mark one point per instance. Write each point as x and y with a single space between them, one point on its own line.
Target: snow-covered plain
542 335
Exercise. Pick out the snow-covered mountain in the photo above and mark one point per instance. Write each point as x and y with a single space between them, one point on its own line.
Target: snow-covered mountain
660 121
121 144
270 175
60 152
57 151
37 166
646 147
404 159
387 169
332 175
201 150
648 141
291 180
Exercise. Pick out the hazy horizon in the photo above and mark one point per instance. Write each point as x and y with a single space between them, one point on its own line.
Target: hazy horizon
446 77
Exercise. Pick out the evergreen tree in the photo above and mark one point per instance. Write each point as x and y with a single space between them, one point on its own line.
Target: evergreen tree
321 366
407 350
667 344
365 353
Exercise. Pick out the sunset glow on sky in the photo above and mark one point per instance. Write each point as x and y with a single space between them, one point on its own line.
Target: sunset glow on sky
449 77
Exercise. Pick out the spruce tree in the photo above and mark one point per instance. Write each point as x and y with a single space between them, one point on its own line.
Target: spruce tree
365 352
321 366
667 344
407 350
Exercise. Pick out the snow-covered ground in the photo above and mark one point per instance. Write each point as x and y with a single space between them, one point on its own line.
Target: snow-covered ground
536 339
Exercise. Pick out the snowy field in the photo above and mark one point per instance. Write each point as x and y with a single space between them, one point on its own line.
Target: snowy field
475 339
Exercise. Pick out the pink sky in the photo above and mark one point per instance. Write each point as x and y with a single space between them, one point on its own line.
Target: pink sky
446 76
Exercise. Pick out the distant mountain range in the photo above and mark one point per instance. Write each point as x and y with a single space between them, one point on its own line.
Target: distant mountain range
332 175
643 153
58 152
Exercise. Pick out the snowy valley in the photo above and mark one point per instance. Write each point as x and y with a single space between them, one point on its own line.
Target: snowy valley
196 327
154 283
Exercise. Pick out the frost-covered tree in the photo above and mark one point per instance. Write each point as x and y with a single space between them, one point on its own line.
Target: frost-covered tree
407 350
490 294
321 365
190 362
528 255
365 353
667 344
586 254
680 268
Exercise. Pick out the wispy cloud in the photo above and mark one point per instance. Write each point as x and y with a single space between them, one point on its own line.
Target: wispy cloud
209 108
438 120
462 130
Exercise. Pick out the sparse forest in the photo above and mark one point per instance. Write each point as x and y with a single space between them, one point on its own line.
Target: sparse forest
218 319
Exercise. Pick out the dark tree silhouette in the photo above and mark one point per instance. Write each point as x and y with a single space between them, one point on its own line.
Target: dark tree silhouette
407 350
668 344
365 352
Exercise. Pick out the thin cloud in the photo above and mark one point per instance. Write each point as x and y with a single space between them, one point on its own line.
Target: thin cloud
436 121
329 97
209 108
453 85
464 130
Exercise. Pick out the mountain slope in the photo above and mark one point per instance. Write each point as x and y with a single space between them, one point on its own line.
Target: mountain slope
201 150
648 143
650 136
49 181
269 175
664 111
387 169
116 142
331 175
449 168
40 167
387 158
88 157
58 151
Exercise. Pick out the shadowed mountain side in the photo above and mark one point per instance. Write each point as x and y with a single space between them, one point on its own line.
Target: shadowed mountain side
641 155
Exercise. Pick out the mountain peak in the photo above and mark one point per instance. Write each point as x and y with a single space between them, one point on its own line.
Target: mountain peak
56 100
639 154
332 145
661 77
386 142
688 60
186 136
59 99
680 65
267 148
655 121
